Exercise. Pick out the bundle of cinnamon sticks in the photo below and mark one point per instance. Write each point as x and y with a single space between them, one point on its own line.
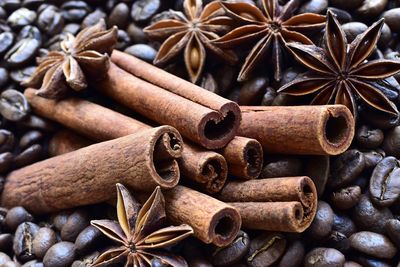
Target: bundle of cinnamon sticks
208 145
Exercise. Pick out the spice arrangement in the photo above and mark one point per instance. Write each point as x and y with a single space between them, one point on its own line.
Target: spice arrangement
199 133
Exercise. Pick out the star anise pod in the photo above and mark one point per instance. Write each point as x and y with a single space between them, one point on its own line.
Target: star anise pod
270 29
139 232
80 56
340 73
192 33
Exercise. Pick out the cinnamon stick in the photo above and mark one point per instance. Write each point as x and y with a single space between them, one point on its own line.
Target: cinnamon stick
285 204
213 221
201 116
142 161
305 130
66 141
207 168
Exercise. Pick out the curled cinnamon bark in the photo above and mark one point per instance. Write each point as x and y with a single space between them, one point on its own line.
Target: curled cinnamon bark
285 204
207 168
142 161
305 130
66 141
201 116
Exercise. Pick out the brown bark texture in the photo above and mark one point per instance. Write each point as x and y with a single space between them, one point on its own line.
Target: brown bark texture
65 141
304 130
286 204
213 221
201 116
142 161
206 168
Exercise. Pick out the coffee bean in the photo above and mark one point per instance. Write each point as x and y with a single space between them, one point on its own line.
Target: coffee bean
87 239
268 97
88 260
294 255
60 255
3 13
22 244
317 168
337 240
343 224
352 29
29 155
119 16
371 8
136 34
368 217
44 239
60 219
33 263
142 51
74 10
3 76
21 17
366 261
15 216
347 4
209 83
50 20
30 138
323 221
92 18
11 5
35 122
386 36
4 258
373 244
323 257
6 242
20 75
7 140
6 41
30 32
314 6
252 91
283 166
372 158
392 18
345 168
368 137
266 249
379 120
6 161
346 198
123 40
143 10
233 253
72 28
393 230
351 264
22 52
76 222
32 4
342 15
13 105
391 143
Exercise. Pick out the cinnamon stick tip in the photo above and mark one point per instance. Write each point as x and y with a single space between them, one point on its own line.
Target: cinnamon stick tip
215 172
253 155
225 226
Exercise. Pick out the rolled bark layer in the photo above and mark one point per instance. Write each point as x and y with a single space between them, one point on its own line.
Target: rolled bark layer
244 157
206 168
304 130
65 141
142 161
297 198
201 116
213 221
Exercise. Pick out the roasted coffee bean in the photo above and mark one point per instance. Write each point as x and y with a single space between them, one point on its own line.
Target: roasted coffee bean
294 255
373 244
143 10
15 216
323 221
392 18
35 122
393 230
60 255
343 224
6 41
323 257
3 76
352 29
391 143
372 158
314 6
317 168
76 222
74 10
284 166
22 52
22 244
88 260
252 91
342 15
11 5
346 198
30 32
119 16
228 76
20 75
6 161
92 18
233 253
371 8
21 17
33 263
30 138
7 140
366 261
44 239
4 258
29 155
6 242
3 13
123 40
209 83
142 51
32 4
194 254
368 217
345 168
50 20
386 36
87 239
384 184
136 34
266 249
268 97
156 262
337 240
60 219
72 28
13 105
369 138
349 5
351 264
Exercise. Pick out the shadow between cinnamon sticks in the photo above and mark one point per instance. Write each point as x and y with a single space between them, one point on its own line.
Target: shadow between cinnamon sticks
207 169
286 204
304 130
142 161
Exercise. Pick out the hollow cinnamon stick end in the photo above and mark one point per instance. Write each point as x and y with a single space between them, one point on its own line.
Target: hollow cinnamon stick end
336 129
224 227
214 170
215 131
253 155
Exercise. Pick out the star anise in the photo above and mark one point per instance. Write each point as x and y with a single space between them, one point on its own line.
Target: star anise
340 71
80 56
139 232
271 31
192 33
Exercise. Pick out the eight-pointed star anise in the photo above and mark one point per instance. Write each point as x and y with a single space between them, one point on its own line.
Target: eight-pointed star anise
271 31
81 56
139 232
192 33
340 71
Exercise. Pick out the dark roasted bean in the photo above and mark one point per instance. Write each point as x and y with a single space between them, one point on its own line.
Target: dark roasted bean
11 5
23 238
15 216
50 20
35 122
233 253
21 17
209 83
342 15
294 255
337 240
13 105
366 261
60 255
4 258
322 223
347 4
372 158
3 76
266 249
123 40
143 10
76 222
119 16
393 230
6 242
72 28
346 168
391 143
136 34
3 13
6 41
142 51
268 97
369 138
342 223
22 52
252 91
60 219
89 259
32 4
74 10
7 140
373 244
352 29
6 161
324 257
87 239
29 155
30 138
351 264
93 18
346 198
314 6
386 36
392 18
371 8
284 166
317 168
20 75
33 263
44 239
